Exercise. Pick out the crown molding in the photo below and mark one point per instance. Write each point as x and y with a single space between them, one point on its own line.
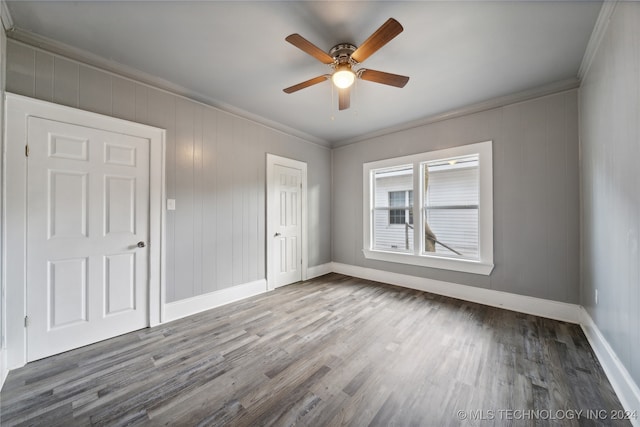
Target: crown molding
5 16
550 89
92 60
599 30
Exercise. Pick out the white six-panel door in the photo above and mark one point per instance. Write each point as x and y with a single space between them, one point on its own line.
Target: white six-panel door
287 246
286 221
87 235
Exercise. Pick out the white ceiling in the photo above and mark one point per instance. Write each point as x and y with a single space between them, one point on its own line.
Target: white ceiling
233 54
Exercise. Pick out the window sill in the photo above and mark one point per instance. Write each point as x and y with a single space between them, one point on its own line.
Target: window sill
465 266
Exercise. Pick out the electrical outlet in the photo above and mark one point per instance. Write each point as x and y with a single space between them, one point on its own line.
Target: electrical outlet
171 204
596 298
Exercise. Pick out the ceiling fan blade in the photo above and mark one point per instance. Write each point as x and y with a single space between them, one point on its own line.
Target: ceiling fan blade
384 78
310 82
344 98
382 36
305 45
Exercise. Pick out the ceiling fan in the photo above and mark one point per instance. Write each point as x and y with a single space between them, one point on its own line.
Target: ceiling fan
344 59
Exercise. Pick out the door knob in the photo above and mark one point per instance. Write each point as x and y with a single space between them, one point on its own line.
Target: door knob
141 244
276 235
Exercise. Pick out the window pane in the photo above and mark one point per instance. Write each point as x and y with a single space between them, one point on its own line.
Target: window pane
457 229
451 207
397 198
396 216
393 188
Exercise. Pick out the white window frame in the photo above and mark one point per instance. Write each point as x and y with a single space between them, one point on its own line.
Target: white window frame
484 265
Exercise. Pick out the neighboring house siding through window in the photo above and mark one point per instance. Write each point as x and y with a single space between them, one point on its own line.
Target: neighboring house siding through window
391 191
451 206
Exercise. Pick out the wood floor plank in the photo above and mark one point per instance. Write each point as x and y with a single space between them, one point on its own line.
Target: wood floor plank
335 350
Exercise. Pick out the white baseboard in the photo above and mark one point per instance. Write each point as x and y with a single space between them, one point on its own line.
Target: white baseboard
319 270
521 303
186 307
624 386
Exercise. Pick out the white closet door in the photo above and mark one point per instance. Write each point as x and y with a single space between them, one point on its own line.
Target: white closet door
87 236
287 246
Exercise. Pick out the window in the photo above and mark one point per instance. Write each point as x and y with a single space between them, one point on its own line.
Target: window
454 205
403 199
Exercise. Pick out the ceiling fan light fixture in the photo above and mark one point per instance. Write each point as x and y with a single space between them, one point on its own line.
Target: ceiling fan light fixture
343 77
343 56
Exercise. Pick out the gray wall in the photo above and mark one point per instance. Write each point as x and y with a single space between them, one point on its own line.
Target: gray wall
215 169
536 204
610 182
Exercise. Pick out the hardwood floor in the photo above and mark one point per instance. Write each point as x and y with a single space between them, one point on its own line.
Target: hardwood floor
331 351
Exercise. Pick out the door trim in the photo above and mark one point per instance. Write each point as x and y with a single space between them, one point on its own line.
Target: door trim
273 160
17 111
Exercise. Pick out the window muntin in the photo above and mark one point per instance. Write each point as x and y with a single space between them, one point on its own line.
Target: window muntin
461 220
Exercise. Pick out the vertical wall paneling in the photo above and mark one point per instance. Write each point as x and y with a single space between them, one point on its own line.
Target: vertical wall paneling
610 178
246 196
124 99
534 195
198 202
44 76
236 242
253 214
224 178
260 174
185 226
162 113
95 91
572 198
556 189
215 166
142 105
66 82
21 69
209 199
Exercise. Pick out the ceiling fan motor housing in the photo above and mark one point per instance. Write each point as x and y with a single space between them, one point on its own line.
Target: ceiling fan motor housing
341 53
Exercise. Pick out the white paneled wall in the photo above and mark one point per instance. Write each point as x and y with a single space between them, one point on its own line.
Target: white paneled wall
215 169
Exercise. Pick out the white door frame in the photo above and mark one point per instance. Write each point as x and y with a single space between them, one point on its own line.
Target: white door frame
14 216
273 160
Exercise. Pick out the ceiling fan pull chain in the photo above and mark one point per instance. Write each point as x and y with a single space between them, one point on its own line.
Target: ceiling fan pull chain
331 106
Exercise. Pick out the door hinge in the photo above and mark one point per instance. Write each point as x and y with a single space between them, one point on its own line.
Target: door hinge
26 321
26 150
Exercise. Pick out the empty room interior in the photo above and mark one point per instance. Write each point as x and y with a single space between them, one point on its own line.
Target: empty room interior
283 213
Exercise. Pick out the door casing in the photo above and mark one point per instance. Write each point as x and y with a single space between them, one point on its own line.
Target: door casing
17 111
